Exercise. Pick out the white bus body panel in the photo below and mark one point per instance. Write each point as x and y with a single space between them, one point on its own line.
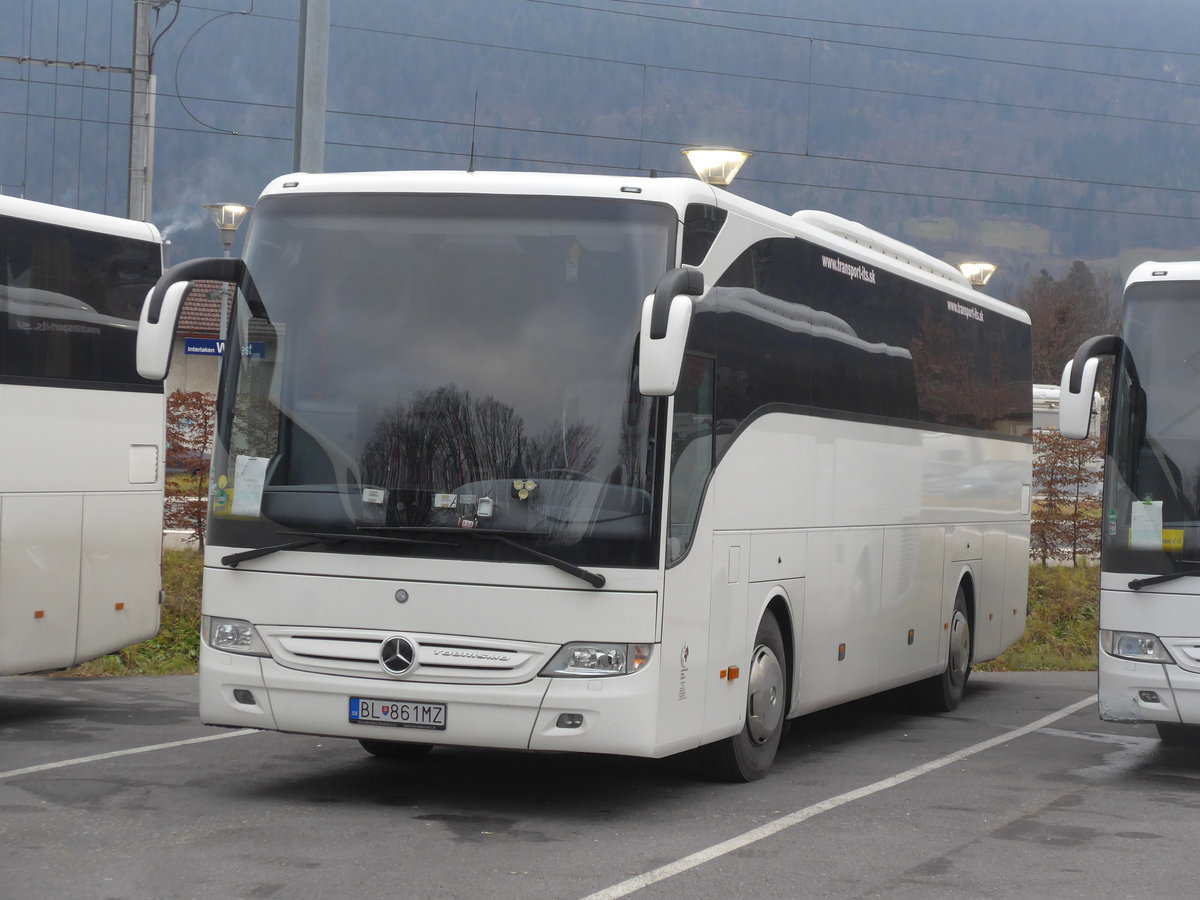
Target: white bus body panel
1121 680
80 524
310 691
854 535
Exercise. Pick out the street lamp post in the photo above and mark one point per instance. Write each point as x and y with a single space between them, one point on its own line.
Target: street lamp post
227 217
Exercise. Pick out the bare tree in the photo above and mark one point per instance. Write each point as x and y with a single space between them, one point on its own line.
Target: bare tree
191 416
1066 514
1064 313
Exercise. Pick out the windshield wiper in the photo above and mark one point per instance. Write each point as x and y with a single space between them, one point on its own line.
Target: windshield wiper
595 579
315 537
1138 583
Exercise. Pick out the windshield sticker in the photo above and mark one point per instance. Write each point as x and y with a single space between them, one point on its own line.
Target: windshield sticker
249 476
1146 525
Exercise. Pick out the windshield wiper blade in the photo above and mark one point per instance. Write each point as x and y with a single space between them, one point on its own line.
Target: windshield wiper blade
595 579
309 539
1138 583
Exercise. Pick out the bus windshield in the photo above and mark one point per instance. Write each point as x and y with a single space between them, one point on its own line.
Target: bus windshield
413 363
1152 514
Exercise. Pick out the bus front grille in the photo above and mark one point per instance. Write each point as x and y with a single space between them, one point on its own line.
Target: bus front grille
441 659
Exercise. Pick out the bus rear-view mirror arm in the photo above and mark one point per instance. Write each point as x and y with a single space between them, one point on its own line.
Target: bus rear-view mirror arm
1078 385
160 312
666 318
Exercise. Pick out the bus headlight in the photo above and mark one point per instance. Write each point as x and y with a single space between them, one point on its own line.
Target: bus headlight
584 659
232 636
1134 645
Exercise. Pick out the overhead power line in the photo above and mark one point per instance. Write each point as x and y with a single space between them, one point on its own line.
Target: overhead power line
65 64
777 34
870 46
531 160
759 150
183 97
941 32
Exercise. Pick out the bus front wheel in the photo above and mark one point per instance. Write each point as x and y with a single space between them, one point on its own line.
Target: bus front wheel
747 756
942 693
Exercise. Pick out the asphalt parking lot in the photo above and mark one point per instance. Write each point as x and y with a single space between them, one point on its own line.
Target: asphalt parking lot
110 788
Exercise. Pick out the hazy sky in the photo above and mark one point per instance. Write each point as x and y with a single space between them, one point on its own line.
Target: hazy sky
1032 132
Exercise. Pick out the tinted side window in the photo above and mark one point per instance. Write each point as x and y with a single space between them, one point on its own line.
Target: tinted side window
69 303
701 223
801 325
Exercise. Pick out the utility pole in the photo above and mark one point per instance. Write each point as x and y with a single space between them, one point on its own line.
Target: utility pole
141 116
312 69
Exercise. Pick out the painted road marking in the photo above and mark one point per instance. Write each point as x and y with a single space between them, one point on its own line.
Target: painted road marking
627 887
132 751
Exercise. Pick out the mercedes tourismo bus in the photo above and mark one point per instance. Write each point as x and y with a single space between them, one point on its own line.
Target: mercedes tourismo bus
582 463
1149 655
81 480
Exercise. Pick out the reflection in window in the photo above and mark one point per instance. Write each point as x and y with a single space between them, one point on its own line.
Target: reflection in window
691 450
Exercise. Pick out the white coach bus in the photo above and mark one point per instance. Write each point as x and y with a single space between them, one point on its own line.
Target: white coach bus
581 463
1149 655
81 434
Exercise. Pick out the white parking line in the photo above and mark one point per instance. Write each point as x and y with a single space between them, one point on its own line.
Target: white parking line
662 873
132 751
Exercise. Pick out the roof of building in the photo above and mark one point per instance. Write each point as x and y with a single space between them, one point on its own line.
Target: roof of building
200 316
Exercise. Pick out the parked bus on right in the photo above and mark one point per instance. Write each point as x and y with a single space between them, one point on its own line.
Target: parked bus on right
1149 660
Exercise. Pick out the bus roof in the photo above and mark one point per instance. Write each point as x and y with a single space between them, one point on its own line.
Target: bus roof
77 218
826 229
1185 270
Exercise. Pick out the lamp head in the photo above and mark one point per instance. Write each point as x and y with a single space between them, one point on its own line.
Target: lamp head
227 216
977 273
716 165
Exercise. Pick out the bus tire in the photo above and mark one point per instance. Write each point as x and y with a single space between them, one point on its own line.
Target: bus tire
747 756
942 693
395 749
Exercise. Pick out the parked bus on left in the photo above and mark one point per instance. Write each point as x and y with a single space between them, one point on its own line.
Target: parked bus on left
81 440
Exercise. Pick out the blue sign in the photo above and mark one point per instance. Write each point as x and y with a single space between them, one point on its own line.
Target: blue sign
204 347
214 347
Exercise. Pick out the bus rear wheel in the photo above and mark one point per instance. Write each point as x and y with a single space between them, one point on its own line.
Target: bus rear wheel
942 693
395 749
747 756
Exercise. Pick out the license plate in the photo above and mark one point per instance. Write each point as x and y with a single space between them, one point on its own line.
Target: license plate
398 713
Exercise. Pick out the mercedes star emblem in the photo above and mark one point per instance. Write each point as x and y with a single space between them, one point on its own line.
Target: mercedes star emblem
397 655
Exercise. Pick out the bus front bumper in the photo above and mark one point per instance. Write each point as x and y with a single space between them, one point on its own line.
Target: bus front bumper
1137 692
613 715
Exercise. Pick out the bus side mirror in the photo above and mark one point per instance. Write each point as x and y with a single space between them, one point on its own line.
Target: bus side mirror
160 311
155 339
1075 409
1078 385
666 318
